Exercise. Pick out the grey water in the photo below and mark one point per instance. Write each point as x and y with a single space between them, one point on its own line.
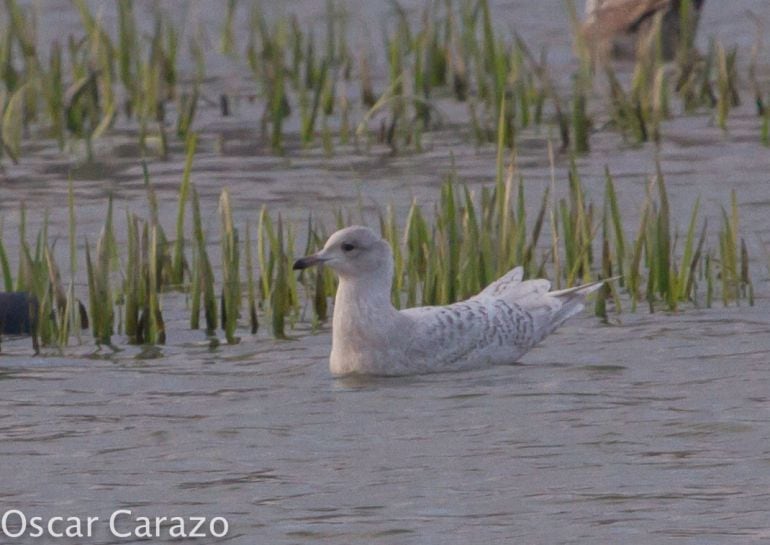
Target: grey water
653 431
654 428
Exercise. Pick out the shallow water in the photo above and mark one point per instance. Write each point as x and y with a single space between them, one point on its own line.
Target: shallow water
655 429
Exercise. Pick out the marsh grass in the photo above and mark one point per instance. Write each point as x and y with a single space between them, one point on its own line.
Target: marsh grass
203 286
134 288
231 281
251 288
11 126
734 259
5 266
72 319
275 272
99 282
179 264
468 239
143 319
443 253
77 91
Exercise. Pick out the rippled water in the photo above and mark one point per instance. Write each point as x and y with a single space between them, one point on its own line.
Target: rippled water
655 429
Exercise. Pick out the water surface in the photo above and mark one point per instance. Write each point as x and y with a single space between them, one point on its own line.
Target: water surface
654 429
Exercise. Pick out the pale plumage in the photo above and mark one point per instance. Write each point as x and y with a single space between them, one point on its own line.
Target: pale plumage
370 336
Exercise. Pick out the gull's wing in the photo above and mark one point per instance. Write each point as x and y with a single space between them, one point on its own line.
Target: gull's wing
472 333
512 289
497 326
508 281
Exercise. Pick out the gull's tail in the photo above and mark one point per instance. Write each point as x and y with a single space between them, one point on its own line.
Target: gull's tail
573 300
550 310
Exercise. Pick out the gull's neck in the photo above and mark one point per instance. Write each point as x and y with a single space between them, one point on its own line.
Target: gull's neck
357 294
364 319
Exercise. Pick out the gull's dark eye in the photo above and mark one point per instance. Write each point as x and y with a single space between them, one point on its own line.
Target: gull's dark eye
347 247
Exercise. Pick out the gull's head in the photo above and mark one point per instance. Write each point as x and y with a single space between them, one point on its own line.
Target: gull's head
352 252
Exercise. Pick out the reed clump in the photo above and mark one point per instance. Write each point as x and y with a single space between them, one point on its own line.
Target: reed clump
450 252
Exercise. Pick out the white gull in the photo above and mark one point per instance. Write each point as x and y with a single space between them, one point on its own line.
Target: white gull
370 336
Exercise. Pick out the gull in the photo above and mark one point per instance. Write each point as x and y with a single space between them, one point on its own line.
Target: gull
371 337
621 27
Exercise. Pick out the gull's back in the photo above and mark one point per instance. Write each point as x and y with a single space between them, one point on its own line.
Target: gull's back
497 326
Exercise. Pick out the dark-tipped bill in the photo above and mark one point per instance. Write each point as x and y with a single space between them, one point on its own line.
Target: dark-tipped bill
308 261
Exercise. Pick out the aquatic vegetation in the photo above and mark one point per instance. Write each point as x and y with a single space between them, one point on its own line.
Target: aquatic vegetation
275 251
178 265
250 282
103 76
727 92
79 91
11 125
471 238
734 259
231 279
99 283
203 290
143 320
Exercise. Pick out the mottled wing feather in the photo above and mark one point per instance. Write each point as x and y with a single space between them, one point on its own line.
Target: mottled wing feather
470 334
505 283
511 289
